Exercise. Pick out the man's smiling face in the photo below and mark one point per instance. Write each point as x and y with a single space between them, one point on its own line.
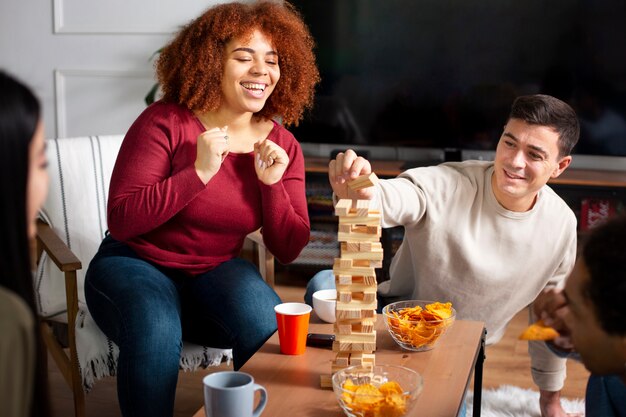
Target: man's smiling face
527 156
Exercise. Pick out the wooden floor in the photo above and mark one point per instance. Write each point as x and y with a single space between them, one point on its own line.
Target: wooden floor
506 363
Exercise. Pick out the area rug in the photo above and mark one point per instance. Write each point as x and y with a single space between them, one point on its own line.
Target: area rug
511 401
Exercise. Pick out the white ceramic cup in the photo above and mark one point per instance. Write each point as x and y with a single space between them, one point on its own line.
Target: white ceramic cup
324 304
231 394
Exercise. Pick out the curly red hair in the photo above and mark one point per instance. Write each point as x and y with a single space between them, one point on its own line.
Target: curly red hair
190 68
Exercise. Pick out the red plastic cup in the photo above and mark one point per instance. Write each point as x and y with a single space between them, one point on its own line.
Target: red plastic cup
293 326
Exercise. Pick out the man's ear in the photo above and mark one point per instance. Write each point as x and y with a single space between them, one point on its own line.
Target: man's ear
561 166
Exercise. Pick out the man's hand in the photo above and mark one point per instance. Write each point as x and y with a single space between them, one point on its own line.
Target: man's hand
550 405
345 167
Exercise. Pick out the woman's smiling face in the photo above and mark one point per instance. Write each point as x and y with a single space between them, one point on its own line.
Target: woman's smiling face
251 72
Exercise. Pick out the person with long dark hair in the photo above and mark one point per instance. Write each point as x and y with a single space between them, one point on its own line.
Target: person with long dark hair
24 185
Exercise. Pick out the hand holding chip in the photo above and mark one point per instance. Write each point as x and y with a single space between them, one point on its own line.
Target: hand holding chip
551 307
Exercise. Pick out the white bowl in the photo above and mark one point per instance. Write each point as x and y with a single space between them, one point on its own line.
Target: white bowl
324 303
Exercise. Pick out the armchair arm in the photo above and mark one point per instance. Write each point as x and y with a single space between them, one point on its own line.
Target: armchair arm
61 255
67 262
265 257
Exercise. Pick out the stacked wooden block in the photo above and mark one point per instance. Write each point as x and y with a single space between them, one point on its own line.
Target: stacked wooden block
355 279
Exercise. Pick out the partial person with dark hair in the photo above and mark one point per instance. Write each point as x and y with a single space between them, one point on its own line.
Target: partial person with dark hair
24 185
590 316
487 236
196 173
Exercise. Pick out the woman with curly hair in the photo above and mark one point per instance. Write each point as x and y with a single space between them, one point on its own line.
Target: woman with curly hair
198 171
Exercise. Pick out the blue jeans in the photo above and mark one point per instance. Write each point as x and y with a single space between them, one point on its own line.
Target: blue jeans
148 310
605 396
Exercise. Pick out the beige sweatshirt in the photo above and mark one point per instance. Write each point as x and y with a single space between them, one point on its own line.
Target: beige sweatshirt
461 245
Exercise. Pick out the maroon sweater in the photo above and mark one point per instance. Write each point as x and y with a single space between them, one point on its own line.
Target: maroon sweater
159 206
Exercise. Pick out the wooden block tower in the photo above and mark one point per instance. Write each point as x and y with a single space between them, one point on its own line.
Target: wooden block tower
355 279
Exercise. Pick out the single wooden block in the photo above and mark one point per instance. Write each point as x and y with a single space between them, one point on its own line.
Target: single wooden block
367 219
360 358
343 206
343 280
351 246
370 246
356 237
326 381
361 271
344 262
376 264
344 228
342 359
368 314
342 328
360 234
366 326
348 313
367 295
336 368
362 207
373 255
363 181
367 347
364 279
354 304
356 287
357 337
344 296
373 230
366 367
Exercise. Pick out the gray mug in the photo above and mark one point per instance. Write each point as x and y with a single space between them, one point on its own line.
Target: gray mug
231 394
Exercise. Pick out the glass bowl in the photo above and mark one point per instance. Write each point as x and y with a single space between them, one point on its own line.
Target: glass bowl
382 391
416 335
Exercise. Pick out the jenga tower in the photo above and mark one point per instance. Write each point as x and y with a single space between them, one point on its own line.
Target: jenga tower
355 279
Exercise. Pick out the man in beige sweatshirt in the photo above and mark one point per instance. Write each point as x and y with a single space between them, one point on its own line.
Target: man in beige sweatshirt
487 236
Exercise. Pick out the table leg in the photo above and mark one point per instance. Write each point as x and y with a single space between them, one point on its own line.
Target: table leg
478 376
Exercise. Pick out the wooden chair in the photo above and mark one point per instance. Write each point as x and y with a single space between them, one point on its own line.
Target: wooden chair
72 225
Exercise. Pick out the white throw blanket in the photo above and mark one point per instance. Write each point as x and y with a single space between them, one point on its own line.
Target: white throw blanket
97 354
511 401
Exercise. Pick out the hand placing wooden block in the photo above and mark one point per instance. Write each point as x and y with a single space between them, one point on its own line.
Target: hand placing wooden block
364 181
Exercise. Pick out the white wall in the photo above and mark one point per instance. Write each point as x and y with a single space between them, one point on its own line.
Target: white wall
87 60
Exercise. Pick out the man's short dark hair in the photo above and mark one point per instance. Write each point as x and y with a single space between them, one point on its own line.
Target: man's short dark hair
604 254
544 110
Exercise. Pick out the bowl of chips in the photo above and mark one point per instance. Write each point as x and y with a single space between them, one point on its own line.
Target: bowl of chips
379 391
416 324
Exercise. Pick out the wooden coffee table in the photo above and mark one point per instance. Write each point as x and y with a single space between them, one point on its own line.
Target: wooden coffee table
293 382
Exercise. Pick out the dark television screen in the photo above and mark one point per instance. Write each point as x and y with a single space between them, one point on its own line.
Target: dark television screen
443 73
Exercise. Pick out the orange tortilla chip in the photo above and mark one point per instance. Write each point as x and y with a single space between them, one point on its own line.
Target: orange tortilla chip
539 331
443 310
